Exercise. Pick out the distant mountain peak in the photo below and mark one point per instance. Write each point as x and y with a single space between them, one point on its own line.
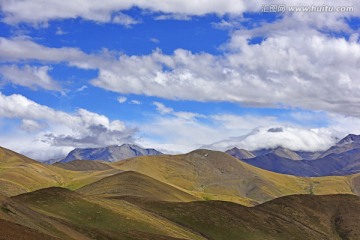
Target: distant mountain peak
349 139
286 153
109 154
240 153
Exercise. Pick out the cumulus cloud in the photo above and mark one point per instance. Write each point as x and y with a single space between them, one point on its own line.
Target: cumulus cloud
306 70
29 76
22 11
24 49
60 130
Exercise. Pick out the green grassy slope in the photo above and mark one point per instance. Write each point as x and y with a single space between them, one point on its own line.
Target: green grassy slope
135 184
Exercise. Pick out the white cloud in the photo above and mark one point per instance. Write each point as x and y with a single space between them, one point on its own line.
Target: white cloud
298 139
59 130
135 102
252 132
29 125
306 71
81 89
60 31
17 11
125 20
154 40
22 11
309 71
121 99
162 109
29 76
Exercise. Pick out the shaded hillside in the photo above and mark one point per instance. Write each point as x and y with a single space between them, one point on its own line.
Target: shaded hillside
135 184
10 230
292 217
217 175
68 215
83 165
109 154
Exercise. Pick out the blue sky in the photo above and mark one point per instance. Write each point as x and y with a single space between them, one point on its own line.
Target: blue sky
176 75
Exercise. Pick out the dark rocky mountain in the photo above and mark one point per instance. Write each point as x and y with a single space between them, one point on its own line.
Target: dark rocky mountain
109 154
341 159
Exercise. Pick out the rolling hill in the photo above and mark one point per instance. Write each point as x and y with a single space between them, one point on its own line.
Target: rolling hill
63 214
204 174
19 174
172 197
80 165
135 184
292 217
219 176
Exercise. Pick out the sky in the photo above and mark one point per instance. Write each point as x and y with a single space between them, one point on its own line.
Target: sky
178 75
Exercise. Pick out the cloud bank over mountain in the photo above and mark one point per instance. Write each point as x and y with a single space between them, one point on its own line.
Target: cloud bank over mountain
45 131
296 139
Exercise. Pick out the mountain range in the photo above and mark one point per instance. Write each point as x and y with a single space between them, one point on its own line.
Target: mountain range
341 159
107 154
203 194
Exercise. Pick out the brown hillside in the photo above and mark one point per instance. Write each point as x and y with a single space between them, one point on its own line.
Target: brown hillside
135 184
84 165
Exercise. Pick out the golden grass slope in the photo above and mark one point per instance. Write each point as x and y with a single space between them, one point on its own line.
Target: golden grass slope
135 184
204 174
19 174
216 175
